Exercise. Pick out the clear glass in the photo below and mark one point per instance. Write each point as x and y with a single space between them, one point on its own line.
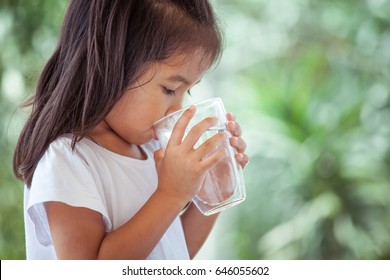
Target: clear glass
223 186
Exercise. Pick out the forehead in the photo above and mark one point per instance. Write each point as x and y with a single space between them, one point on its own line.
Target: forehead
188 65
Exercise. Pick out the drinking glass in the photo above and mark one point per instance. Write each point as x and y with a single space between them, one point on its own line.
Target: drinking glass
223 186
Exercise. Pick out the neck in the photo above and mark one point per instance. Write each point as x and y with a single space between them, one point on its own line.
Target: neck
104 136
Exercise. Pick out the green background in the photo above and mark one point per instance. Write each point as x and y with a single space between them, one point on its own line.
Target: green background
309 83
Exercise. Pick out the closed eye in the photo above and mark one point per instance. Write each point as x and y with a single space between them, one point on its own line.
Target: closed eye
169 91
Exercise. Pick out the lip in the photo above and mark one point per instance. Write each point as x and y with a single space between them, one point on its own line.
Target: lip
154 135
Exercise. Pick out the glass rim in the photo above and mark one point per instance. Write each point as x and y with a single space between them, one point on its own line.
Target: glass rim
181 111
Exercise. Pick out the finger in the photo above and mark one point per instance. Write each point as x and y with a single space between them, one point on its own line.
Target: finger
230 117
242 159
180 126
234 128
159 155
212 145
215 158
238 144
197 130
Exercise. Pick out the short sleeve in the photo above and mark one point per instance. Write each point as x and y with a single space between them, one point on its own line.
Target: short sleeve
63 175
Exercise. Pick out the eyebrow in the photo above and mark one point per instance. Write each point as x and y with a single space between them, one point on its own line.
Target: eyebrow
179 78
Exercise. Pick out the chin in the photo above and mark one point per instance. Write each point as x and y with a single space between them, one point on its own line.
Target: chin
143 140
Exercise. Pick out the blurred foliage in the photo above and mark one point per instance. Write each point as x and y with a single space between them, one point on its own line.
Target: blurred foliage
28 34
309 82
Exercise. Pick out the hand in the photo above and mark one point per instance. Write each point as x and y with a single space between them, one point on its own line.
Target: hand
236 141
181 168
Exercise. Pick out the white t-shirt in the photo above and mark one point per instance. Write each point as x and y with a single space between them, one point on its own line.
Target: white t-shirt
93 177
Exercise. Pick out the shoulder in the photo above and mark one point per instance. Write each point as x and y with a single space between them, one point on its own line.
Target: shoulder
61 144
61 147
62 150
58 150
61 159
64 174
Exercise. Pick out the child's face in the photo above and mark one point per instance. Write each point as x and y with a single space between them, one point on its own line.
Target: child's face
157 93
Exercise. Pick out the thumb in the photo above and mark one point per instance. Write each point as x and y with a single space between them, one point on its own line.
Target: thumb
159 155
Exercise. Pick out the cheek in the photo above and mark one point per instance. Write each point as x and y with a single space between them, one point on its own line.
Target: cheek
118 115
122 106
121 117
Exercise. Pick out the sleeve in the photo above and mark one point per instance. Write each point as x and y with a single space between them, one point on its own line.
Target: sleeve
63 175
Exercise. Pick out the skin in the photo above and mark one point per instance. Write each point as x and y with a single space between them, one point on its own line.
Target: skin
78 233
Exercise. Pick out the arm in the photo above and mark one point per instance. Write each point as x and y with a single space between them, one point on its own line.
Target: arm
78 233
197 226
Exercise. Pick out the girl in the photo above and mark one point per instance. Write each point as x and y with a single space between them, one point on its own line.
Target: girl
97 186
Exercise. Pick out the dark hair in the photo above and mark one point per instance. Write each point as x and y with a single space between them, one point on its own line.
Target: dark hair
104 46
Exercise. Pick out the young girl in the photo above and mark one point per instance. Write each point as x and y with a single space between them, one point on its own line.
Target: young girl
97 185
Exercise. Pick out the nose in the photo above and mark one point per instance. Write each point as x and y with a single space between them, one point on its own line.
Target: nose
175 106
173 109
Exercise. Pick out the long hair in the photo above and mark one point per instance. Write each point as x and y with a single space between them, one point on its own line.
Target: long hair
103 47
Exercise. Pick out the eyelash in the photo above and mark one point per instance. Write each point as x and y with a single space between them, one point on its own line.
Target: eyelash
172 91
169 91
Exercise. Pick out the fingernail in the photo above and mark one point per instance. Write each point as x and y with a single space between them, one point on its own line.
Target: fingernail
232 116
215 119
232 124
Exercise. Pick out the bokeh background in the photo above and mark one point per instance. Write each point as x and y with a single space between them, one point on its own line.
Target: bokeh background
309 82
